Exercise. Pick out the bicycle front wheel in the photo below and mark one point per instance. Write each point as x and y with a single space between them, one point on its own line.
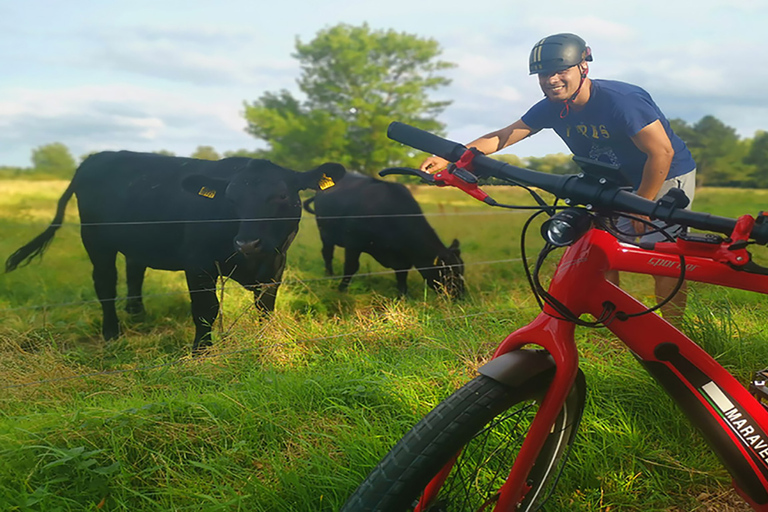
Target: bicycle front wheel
487 422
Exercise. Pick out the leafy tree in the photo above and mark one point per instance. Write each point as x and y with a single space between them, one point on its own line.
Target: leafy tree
758 157
356 81
247 153
558 163
164 152
86 155
511 159
9 172
54 160
206 153
717 150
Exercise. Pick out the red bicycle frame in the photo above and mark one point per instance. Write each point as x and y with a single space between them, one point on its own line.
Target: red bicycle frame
734 423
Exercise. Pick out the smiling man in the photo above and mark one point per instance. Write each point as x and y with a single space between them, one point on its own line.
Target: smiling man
606 120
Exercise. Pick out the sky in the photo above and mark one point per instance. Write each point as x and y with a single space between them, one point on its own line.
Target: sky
148 75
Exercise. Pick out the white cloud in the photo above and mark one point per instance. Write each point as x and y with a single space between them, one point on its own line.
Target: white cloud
93 118
150 75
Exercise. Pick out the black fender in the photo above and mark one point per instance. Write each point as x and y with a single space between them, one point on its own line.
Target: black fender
517 367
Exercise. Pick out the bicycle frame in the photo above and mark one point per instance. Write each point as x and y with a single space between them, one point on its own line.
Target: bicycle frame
734 423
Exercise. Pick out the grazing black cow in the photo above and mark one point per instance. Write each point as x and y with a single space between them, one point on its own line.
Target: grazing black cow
234 217
363 214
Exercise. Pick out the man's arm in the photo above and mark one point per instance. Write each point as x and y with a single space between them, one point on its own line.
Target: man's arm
487 144
653 141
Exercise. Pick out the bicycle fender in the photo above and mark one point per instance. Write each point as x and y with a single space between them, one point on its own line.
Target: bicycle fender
516 367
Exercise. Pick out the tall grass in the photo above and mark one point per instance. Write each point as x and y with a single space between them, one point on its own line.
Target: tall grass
290 412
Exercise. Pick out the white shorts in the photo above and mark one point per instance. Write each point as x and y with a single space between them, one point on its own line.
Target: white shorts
686 182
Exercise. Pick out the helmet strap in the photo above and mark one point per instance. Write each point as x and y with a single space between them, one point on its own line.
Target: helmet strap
568 102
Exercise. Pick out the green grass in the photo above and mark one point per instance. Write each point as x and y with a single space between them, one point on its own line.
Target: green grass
289 413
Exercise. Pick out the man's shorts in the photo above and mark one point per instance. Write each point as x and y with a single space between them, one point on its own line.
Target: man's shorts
687 182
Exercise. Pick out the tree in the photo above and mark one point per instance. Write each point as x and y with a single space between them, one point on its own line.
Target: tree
247 153
716 149
758 157
356 81
206 153
54 160
558 163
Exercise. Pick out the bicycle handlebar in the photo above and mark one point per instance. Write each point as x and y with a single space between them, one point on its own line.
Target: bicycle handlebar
597 194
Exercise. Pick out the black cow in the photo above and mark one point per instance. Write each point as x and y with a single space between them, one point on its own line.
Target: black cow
234 217
363 214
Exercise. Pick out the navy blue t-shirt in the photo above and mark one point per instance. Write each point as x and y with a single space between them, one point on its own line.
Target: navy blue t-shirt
615 112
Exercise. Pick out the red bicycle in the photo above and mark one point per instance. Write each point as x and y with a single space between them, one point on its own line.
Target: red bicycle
499 442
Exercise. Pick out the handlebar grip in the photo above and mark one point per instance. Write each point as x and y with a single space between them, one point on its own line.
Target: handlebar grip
425 141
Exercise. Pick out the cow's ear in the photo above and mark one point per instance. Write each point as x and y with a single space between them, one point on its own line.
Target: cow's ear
454 247
204 186
325 176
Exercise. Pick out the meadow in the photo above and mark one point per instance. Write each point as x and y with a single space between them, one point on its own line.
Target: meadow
290 412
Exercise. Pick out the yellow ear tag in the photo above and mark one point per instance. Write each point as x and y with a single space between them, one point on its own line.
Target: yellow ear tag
207 192
325 182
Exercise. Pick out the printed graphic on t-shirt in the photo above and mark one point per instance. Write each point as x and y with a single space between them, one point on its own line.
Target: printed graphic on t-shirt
590 131
603 154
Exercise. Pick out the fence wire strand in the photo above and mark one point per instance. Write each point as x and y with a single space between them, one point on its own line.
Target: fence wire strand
230 353
275 283
185 359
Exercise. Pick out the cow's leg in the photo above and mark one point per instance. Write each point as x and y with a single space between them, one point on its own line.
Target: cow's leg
205 307
401 275
327 252
265 294
351 266
134 274
105 282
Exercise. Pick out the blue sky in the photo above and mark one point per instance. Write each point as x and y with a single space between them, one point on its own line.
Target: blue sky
150 75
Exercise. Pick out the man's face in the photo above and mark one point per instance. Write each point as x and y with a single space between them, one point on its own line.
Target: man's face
561 85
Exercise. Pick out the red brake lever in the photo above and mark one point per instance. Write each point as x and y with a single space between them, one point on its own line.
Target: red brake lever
459 175
733 250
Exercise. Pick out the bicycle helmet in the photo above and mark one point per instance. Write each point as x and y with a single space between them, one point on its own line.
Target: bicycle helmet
558 52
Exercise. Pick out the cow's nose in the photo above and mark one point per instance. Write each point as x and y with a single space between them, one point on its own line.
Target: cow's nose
248 248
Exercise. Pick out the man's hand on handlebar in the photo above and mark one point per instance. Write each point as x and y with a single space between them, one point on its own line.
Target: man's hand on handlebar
639 226
433 164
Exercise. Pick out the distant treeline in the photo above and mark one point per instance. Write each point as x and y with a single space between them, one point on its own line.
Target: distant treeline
55 161
723 158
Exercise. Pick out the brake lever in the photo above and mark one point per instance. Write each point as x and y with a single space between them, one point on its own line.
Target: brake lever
407 171
452 176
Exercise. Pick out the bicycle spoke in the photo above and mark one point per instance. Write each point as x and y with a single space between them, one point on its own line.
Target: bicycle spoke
484 464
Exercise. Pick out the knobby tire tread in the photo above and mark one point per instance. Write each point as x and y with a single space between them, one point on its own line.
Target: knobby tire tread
400 477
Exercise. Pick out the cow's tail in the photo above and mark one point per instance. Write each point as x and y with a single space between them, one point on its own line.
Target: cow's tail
36 247
309 202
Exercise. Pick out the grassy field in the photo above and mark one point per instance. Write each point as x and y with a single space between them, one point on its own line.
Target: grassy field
289 413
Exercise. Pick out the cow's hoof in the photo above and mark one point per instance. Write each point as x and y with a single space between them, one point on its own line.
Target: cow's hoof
135 308
110 334
202 348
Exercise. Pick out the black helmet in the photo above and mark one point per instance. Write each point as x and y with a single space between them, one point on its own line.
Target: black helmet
558 52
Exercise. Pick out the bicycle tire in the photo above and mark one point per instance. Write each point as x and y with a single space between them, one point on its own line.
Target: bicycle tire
473 414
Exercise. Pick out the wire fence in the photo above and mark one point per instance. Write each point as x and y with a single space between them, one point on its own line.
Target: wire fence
303 281
276 219
271 283
290 281
187 359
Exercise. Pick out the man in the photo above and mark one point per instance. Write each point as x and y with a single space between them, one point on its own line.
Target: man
604 120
